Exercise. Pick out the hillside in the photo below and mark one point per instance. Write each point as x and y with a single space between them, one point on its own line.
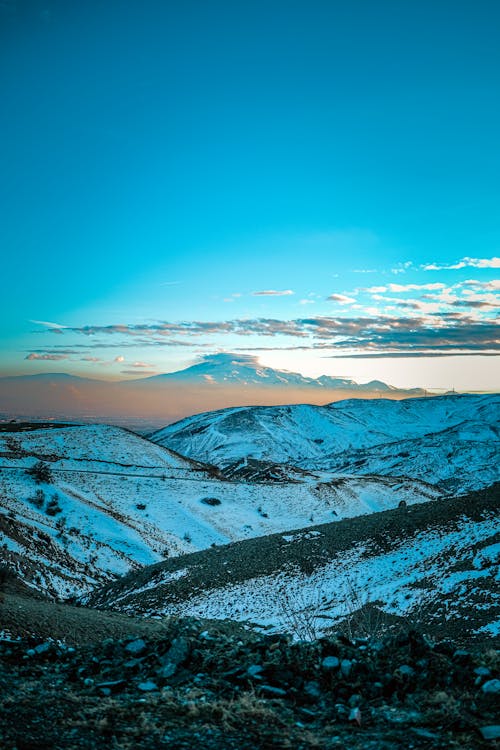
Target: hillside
449 441
438 572
115 501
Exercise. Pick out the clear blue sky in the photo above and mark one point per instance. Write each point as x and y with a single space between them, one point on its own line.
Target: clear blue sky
163 162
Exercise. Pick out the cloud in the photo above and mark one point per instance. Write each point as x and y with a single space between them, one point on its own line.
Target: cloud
493 285
48 357
273 293
90 359
373 330
120 358
464 263
141 365
415 287
402 267
341 299
306 302
48 324
374 289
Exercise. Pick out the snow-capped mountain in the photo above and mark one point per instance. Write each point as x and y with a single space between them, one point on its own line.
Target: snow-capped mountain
450 441
112 501
245 369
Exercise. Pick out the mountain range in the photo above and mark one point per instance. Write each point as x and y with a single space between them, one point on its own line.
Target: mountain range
216 381
448 441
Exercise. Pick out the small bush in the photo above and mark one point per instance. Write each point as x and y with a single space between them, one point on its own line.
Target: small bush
210 501
38 499
53 507
141 506
187 538
40 472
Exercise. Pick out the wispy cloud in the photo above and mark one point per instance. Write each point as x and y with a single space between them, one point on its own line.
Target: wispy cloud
142 365
273 293
399 288
49 357
341 299
48 324
464 263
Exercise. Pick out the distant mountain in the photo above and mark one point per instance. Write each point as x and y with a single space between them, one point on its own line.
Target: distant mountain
449 441
245 370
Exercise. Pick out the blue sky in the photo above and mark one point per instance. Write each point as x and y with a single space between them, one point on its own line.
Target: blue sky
164 164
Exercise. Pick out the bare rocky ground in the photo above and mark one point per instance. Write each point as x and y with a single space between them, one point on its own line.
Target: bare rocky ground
73 677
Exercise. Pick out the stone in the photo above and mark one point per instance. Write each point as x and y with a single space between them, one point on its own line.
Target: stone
492 687
148 686
355 715
42 648
490 732
330 663
254 671
346 667
135 647
312 689
405 671
482 671
272 692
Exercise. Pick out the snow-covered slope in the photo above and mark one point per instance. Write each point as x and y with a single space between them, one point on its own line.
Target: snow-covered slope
115 501
439 571
448 440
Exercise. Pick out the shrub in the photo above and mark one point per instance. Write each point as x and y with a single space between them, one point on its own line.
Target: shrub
40 472
38 499
141 506
210 501
187 538
53 507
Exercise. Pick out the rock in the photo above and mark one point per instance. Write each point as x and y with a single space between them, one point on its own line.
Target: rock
330 663
355 715
109 687
404 672
135 647
346 667
148 686
312 689
492 687
272 692
482 671
354 701
254 671
175 656
491 732
42 648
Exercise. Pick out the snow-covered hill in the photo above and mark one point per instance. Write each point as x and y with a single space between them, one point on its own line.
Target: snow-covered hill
438 571
115 501
450 441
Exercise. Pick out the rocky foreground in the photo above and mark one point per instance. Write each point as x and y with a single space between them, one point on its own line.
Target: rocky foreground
213 687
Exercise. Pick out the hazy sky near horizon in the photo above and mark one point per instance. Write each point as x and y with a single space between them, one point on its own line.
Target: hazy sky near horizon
300 181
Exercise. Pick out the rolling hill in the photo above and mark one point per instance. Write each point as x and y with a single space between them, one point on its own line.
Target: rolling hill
452 442
113 501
